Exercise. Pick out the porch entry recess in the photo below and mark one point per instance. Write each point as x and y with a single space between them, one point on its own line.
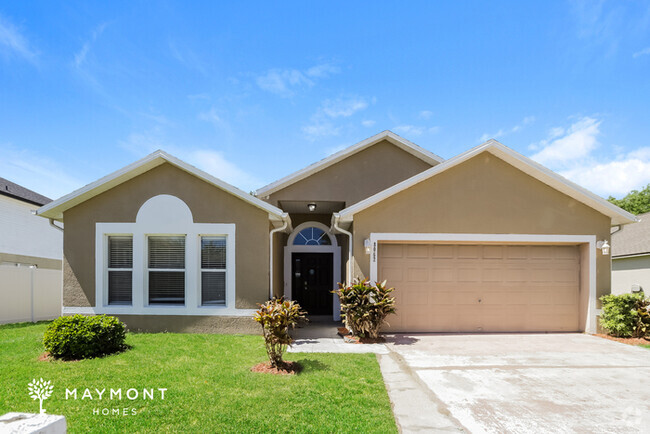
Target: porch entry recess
312 269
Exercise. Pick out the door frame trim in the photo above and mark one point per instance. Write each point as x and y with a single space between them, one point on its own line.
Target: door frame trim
334 249
590 240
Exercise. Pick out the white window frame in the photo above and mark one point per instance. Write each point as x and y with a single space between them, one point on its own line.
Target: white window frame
106 253
211 270
140 232
147 270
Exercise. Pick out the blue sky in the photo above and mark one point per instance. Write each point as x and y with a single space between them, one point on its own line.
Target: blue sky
251 92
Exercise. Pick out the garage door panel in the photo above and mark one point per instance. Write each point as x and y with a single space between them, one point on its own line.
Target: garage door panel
468 288
417 251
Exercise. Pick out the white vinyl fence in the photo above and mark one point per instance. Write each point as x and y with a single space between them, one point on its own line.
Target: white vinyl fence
29 293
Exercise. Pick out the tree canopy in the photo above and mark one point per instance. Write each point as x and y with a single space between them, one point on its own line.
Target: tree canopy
636 202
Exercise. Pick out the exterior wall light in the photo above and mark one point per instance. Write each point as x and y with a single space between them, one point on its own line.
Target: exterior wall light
603 246
311 207
367 246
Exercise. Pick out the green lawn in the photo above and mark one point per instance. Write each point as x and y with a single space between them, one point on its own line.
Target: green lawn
209 386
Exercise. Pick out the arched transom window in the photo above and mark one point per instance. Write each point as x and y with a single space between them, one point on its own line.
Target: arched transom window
312 236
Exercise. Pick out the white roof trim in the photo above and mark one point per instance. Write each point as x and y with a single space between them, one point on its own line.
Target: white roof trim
513 158
390 136
55 209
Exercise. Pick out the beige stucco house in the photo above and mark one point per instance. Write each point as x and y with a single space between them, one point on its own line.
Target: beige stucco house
631 257
486 241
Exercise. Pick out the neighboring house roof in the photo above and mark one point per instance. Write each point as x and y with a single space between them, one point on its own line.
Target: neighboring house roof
11 189
515 159
389 136
55 209
632 239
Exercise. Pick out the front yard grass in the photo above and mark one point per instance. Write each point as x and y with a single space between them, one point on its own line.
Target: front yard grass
209 386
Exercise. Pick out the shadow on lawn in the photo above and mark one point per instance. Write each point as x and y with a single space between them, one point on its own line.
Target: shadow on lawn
312 365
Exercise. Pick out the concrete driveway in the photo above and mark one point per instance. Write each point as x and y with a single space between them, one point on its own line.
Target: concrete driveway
524 383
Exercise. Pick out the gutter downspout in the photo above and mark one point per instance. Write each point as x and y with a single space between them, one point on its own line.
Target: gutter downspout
55 226
350 271
273 231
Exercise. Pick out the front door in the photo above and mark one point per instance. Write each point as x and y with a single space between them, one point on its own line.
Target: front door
312 282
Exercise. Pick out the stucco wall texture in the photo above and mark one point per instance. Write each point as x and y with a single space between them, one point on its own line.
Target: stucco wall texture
356 177
208 204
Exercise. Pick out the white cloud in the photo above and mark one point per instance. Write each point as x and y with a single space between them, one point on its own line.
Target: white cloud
571 152
368 123
216 164
564 147
286 82
80 56
641 53
343 107
505 131
321 123
283 81
409 129
209 160
414 130
38 173
425 114
211 116
323 71
616 178
12 41
320 128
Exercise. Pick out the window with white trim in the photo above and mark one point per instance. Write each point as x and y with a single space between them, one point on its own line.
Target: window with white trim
120 269
213 270
166 269
312 236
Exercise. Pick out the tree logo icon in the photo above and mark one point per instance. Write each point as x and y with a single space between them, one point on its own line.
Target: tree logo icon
40 390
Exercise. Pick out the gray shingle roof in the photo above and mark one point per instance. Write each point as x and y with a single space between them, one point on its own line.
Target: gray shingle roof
19 192
632 239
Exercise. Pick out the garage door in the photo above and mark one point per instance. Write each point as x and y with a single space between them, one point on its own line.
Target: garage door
488 288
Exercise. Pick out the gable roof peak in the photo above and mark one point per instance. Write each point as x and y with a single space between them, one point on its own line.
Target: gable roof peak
515 159
54 210
330 160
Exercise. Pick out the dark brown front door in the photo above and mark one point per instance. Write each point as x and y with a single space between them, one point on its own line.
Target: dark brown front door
312 282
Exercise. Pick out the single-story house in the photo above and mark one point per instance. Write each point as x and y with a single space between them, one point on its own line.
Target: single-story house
487 241
631 257
31 253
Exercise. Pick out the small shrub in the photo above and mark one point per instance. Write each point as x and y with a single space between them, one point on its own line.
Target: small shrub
277 316
365 307
82 337
626 315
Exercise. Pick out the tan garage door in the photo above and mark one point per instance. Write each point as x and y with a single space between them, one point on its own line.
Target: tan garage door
489 288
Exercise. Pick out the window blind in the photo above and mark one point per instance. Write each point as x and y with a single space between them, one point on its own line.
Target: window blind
213 270
166 269
120 269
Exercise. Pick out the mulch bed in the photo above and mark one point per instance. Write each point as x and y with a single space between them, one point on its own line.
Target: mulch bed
347 337
629 341
45 357
289 368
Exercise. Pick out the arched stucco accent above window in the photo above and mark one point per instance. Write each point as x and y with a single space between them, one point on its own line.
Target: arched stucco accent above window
311 234
164 209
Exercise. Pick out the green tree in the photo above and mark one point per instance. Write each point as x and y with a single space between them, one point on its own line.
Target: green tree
636 202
